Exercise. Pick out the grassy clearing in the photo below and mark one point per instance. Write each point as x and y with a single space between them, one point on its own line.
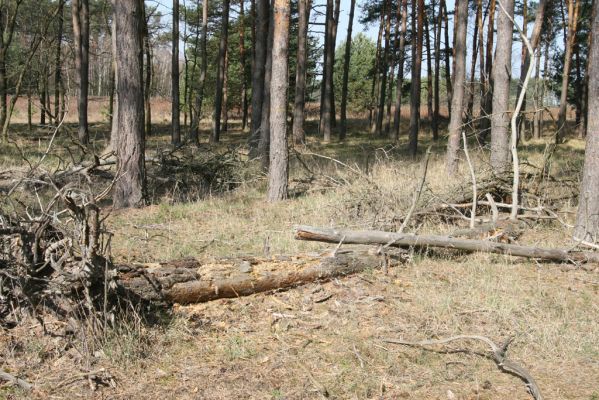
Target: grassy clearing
285 345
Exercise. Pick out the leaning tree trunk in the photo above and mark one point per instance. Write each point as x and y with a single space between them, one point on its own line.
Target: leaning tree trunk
400 65
279 159
220 74
573 8
345 82
457 101
175 109
129 189
299 135
587 222
260 45
500 119
416 68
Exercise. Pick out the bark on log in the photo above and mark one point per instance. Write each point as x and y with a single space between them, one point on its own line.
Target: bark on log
189 281
424 241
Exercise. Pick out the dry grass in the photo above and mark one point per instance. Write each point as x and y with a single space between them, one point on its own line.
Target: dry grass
284 345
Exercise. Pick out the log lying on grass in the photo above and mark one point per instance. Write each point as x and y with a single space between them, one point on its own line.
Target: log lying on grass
189 281
424 241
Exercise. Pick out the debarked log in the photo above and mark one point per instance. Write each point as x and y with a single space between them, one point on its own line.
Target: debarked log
330 235
191 281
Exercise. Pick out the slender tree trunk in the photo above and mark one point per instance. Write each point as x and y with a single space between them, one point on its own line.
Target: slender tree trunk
475 44
244 96
391 77
175 94
429 79
500 119
456 119
486 104
220 74
536 126
279 159
58 63
260 45
573 8
587 221
400 65
332 62
80 14
225 115
43 87
372 117
148 74
380 115
29 109
129 189
264 145
114 126
327 82
436 94
195 129
416 69
300 73
448 75
346 66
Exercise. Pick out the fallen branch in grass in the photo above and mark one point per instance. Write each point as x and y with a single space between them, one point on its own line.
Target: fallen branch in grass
418 191
498 354
5 376
189 281
330 235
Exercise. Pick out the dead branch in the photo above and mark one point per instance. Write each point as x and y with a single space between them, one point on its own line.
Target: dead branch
418 191
330 235
5 376
498 354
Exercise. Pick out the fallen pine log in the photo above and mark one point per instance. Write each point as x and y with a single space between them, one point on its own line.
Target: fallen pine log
189 281
330 235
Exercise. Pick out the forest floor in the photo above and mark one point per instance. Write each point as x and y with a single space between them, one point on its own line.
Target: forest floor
324 340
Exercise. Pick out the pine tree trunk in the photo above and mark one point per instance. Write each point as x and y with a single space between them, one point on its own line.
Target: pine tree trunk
260 45
375 81
148 77
326 122
403 12
264 145
194 132
416 69
436 94
129 189
587 222
380 115
80 14
278 172
456 119
448 85
573 9
332 62
486 103
58 64
175 95
475 44
300 74
429 79
114 126
244 96
500 119
225 115
220 74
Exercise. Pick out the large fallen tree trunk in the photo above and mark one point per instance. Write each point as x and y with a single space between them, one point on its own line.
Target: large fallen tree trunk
424 241
189 281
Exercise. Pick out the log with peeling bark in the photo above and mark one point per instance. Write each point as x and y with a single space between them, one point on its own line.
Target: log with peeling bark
330 235
190 281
